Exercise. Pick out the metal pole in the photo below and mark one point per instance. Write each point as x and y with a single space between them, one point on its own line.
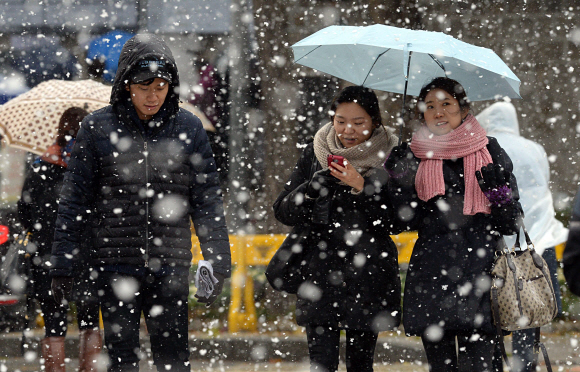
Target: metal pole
142 20
238 174
404 107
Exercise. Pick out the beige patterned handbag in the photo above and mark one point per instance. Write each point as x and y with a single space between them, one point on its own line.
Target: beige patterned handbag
522 295
524 289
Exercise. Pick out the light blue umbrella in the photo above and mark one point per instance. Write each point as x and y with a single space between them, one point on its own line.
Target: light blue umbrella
402 61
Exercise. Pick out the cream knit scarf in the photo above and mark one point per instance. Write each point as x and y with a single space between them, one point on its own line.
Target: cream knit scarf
369 154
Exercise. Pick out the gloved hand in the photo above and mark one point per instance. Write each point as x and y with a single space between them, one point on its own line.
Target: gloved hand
62 287
493 180
400 161
216 291
320 184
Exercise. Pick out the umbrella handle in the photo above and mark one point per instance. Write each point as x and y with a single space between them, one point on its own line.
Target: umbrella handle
402 122
407 55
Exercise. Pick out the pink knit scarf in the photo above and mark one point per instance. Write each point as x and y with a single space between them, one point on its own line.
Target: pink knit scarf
468 141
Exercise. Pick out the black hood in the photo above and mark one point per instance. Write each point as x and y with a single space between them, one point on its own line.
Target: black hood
140 47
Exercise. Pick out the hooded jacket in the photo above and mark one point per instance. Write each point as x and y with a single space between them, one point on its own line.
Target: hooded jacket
532 171
141 182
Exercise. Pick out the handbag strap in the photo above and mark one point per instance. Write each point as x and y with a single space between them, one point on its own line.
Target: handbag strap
526 235
313 166
537 346
512 267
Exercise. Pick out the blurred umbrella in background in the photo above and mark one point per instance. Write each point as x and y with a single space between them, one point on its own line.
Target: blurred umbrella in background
42 59
105 50
11 85
30 121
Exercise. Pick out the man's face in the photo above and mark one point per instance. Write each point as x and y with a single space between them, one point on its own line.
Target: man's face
148 99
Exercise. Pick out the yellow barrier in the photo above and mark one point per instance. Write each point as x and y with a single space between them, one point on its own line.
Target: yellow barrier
560 251
256 250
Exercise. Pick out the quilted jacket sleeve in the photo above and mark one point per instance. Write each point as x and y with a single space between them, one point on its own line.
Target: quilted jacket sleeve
207 211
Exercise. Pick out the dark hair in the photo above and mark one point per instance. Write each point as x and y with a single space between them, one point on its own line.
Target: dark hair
96 68
69 124
364 97
450 86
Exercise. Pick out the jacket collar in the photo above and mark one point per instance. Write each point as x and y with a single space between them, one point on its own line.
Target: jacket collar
128 115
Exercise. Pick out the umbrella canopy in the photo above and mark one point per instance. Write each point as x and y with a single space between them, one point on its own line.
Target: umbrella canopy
30 121
402 61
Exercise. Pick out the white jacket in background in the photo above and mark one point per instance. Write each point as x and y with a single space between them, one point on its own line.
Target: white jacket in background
532 172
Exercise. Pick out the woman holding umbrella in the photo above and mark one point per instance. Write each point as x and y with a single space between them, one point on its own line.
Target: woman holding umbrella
456 187
37 210
351 278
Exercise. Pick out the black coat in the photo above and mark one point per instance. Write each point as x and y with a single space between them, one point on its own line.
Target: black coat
37 211
352 275
38 204
571 259
448 282
142 182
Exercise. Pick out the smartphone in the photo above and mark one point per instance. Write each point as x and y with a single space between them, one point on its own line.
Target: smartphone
335 159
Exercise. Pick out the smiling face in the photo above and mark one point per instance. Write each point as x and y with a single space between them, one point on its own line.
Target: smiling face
148 99
442 112
352 124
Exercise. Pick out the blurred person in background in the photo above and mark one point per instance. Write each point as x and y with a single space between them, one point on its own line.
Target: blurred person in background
532 171
37 209
103 55
210 95
96 69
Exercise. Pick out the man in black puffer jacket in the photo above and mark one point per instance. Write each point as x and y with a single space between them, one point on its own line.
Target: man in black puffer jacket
142 168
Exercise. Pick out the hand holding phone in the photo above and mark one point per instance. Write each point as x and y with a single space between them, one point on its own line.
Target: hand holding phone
335 159
349 175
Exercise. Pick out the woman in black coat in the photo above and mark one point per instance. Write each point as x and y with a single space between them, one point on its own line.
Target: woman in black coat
435 190
351 278
37 209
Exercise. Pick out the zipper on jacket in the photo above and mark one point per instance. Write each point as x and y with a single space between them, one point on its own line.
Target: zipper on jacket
146 154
